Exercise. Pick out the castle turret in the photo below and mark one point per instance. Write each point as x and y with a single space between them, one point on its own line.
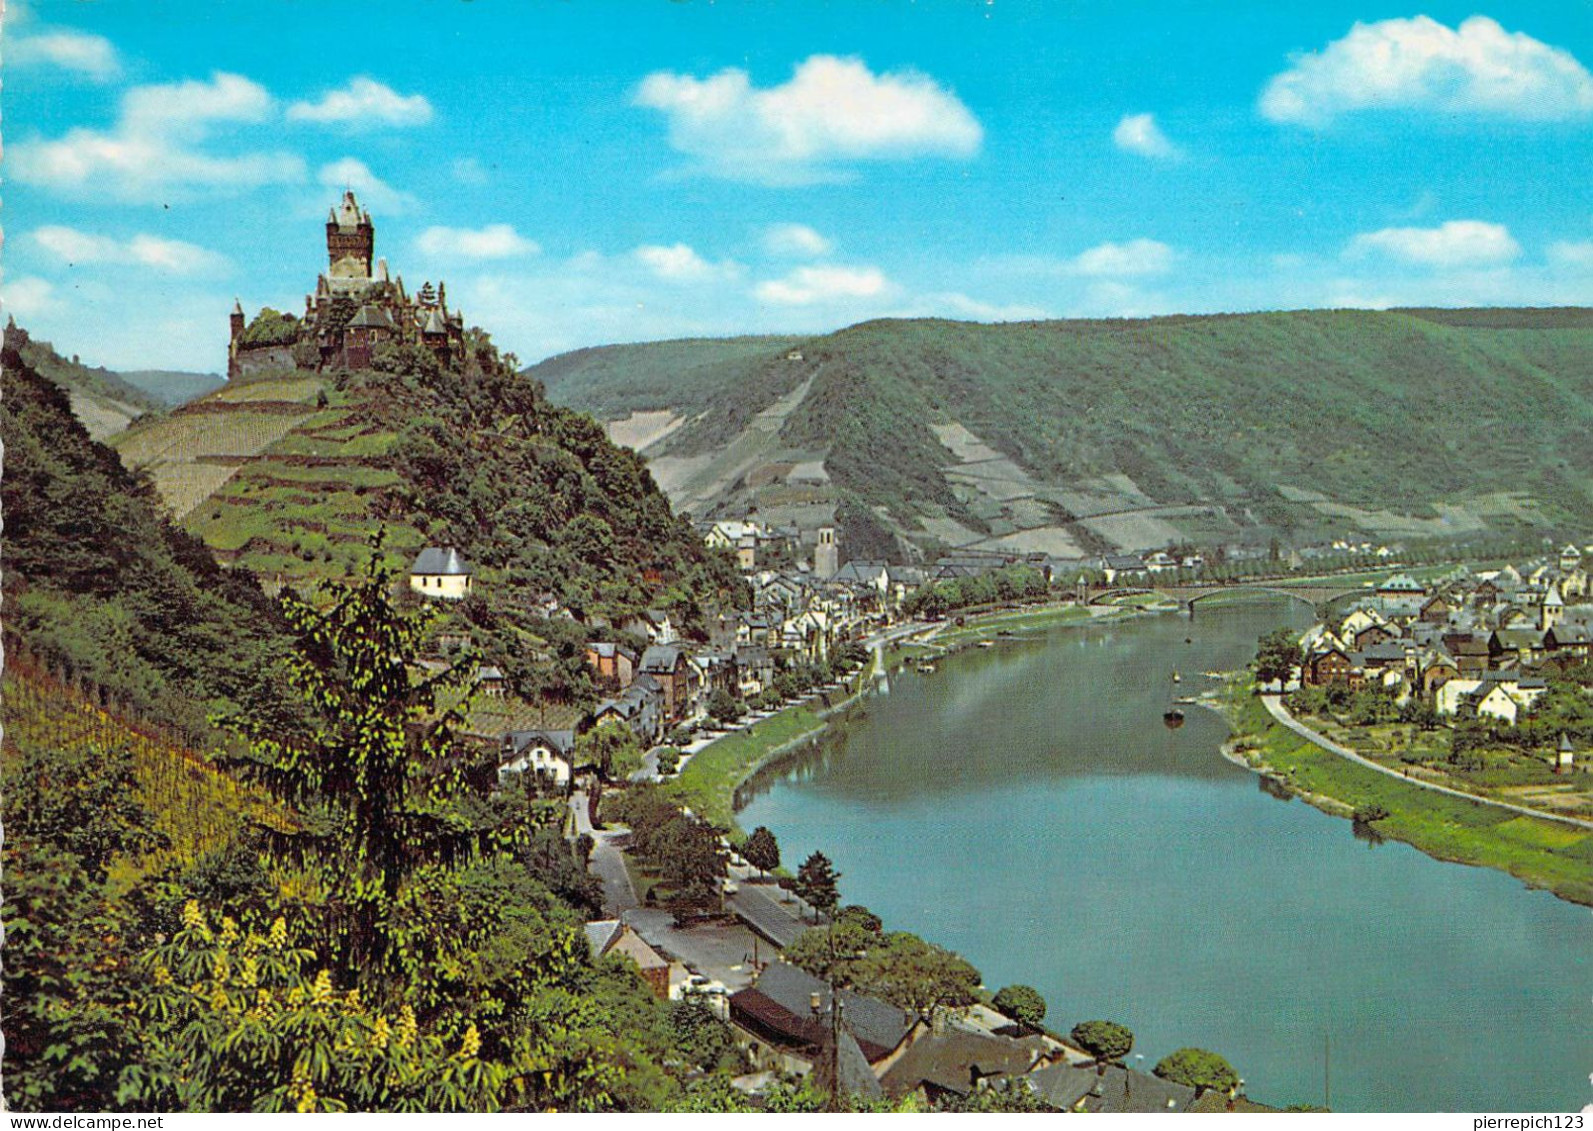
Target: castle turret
350 235
236 319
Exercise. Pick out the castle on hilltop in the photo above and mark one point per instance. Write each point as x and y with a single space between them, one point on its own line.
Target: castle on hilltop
355 310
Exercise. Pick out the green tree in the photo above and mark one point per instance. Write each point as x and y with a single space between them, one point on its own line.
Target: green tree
1104 1040
1023 1004
816 882
373 779
1276 656
612 748
761 850
1198 1068
724 706
915 975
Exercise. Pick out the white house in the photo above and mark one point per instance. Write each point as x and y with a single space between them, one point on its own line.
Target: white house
547 754
441 572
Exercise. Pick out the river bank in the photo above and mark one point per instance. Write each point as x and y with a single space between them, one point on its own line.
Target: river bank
1540 853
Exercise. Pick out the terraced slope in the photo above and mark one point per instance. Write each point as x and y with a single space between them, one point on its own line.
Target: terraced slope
1130 433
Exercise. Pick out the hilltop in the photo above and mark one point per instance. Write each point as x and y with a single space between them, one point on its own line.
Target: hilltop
1082 436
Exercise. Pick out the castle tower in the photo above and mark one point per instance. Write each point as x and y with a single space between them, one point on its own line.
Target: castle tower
235 324
826 555
350 238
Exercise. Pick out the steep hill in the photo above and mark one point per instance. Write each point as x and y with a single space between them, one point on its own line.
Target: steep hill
290 473
1080 435
101 586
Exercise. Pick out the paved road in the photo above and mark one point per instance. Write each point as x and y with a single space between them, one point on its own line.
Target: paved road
1275 708
763 907
607 862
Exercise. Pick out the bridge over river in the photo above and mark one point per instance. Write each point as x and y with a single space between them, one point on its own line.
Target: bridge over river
1191 595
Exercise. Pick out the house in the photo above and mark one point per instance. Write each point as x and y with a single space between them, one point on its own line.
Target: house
612 664
954 1062
1436 609
1122 568
1108 1088
441 572
546 754
1436 670
640 707
756 668
783 1016
611 936
490 680
1565 756
1515 646
1573 641
1330 665
1402 585
672 668
1371 635
1499 695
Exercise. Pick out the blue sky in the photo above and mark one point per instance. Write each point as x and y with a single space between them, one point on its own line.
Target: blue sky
584 173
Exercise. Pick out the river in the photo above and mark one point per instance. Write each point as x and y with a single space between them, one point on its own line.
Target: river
1026 807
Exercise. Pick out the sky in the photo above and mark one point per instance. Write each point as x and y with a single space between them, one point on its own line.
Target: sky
597 172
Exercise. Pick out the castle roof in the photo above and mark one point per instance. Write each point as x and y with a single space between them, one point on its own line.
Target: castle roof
434 323
348 213
372 316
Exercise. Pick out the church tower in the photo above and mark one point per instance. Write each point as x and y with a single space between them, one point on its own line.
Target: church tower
235 323
826 555
350 239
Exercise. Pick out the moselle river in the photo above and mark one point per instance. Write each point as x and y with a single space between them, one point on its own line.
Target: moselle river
1026 807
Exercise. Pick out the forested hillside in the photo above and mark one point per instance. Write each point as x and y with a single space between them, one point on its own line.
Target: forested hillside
1132 433
101 586
316 908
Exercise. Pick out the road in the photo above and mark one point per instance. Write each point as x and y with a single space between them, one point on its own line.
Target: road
607 861
1275 708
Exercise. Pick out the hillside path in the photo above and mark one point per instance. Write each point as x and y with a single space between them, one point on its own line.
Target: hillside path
1275 708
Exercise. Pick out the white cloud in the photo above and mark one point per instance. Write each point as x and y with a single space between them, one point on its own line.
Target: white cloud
364 102
679 263
1139 133
27 297
153 153
1420 64
1456 243
1136 257
807 286
175 257
1571 254
796 241
830 112
92 56
352 173
495 241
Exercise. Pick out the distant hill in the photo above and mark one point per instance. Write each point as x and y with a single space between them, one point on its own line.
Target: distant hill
173 386
1074 436
102 399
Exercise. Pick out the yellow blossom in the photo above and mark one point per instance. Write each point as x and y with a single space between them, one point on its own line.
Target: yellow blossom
471 1045
192 917
321 992
380 1033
